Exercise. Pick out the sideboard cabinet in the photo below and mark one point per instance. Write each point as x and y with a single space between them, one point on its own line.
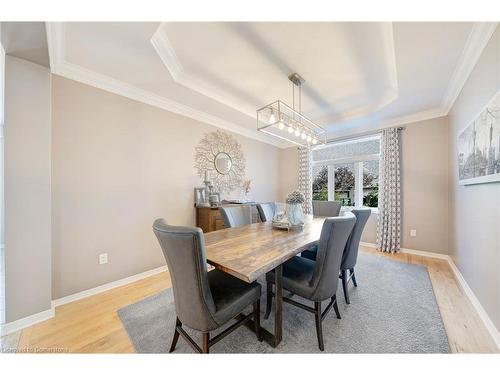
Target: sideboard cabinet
209 218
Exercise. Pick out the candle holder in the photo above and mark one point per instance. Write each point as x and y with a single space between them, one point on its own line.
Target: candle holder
212 197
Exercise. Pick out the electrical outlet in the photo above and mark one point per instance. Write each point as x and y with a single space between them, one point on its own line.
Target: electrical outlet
413 233
103 258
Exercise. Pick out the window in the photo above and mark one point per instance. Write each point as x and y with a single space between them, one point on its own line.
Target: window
348 172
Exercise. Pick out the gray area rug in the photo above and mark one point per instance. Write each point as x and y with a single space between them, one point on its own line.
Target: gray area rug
393 310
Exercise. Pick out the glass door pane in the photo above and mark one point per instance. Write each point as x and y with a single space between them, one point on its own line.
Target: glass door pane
344 183
370 183
320 183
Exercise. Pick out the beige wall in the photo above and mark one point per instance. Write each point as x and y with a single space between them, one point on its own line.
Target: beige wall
117 165
2 211
2 75
424 185
288 172
370 232
475 209
27 189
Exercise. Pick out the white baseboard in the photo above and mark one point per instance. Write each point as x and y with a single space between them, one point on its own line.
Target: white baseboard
44 315
368 244
105 287
428 254
16 325
489 325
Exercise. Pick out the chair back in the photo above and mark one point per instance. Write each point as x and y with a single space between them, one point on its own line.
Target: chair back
266 211
326 208
350 256
184 251
236 216
331 245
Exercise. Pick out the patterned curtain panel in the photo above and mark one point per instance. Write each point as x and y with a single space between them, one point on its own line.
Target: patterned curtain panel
305 178
389 200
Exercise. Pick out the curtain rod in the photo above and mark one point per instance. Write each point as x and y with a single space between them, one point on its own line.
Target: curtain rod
360 135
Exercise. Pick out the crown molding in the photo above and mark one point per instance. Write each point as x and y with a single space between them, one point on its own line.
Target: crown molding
55 42
167 54
362 111
103 82
476 42
392 92
166 51
398 121
428 114
58 66
478 38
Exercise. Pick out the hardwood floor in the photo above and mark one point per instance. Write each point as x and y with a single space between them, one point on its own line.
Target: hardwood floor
91 325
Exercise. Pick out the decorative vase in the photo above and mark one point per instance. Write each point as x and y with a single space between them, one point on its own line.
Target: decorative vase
295 214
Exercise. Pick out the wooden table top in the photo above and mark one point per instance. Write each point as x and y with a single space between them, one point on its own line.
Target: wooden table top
250 251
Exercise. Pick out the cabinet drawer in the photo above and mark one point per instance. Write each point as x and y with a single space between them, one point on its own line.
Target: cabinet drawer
219 223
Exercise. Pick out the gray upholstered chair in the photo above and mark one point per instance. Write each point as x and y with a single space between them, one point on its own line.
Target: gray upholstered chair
350 256
204 301
236 216
326 208
316 280
266 211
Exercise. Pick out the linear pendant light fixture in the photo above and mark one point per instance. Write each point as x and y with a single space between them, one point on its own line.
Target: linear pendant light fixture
287 123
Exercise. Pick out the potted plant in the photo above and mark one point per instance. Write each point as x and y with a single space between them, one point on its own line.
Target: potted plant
294 201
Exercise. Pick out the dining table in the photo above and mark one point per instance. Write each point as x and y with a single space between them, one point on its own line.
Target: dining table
250 251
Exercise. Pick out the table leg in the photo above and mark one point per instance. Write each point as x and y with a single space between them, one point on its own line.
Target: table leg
278 313
273 339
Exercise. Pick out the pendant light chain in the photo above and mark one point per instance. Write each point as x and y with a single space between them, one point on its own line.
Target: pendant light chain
300 99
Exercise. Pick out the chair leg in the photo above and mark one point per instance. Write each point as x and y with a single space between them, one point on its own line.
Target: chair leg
205 338
176 335
319 328
345 286
256 319
269 299
353 277
336 307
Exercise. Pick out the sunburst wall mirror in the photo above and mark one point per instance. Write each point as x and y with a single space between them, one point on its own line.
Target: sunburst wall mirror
221 155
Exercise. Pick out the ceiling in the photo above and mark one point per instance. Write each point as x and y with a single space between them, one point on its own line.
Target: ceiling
359 76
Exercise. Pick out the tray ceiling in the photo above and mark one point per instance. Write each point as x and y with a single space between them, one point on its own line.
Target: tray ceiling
358 76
